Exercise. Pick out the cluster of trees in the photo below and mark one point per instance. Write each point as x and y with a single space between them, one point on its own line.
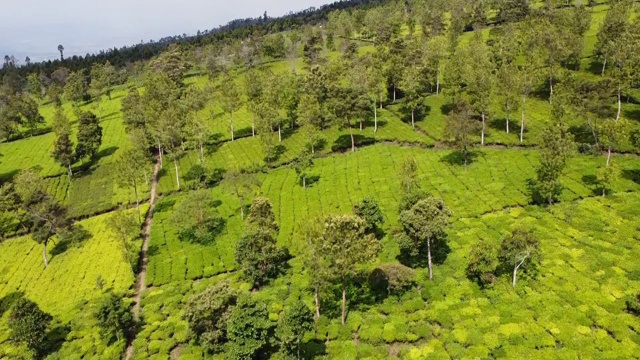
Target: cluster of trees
31 327
88 139
519 250
223 319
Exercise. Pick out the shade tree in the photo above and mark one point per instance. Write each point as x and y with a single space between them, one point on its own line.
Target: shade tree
424 227
89 136
555 149
520 250
344 246
29 325
293 325
63 150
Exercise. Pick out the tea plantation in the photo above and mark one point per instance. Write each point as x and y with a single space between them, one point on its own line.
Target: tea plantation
574 301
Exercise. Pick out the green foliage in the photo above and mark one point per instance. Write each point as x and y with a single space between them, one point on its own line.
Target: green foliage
520 249
369 210
606 176
557 145
392 278
29 324
114 317
425 226
260 257
63 152
293 325
460 127
261 215
89 136
483 262
633 305
126 227
197 219
248 329
409 175
208 314
303 163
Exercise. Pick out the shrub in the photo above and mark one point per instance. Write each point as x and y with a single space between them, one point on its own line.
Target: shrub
208 313
114 317
369 210
483 261
29 324
392 278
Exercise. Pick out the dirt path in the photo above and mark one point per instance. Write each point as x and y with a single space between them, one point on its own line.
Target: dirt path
140 285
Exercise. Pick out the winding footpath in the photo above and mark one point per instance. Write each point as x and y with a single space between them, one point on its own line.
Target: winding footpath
140 285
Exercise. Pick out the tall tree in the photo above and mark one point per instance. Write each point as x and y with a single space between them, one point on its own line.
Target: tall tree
197 131
460 127
132 168
114 317
518 249
296 321
61 50
310 117
479 78
208 313
89 136
29 325
614 132
345 245
48 218
63 147
425 225
231 99
76 89
248 329
312 261
555 148
243 185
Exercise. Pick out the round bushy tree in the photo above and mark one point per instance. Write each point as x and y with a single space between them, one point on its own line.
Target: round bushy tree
29 325
207 314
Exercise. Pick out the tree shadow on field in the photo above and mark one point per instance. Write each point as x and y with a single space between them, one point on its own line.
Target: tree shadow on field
164 205
633 175
153 250
582 134
343 142
242 133
74 238
440 250
501 125
446 109
632 114
370 123
312 180
420 113
590 180
595 67
55 339
312 349
7 301
8 176
456 158
87 167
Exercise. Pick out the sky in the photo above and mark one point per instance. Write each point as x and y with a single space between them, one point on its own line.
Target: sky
34 28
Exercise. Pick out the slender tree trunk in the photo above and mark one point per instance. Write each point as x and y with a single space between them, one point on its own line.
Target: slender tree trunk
201 152
608 157
515 273
241 211
313 150
483 126
508 115
353 140
344 299
160 152
304 182
232 136
316 298
375 118
279 133
604 66
394 93
175 164
253 125
135 190
360 124
44 255
619 102
524 101
429 257
438 80
413 119
550 86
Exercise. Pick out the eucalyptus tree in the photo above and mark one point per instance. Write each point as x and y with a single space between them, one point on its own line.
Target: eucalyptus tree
344 246
231 99
519 249
479 77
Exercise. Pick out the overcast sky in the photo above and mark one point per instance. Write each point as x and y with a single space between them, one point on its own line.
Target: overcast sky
34 28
